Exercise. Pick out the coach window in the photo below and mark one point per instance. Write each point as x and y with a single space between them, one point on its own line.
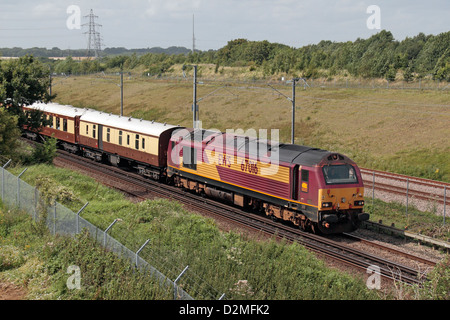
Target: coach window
65 125
87 129
120 137
108 134
50 120
94 127
136 145
128 139
57 123
143 143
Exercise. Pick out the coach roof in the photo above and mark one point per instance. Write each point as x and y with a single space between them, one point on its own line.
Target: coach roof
126 123
57 109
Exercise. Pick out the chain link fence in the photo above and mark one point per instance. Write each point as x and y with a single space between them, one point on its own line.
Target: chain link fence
63 221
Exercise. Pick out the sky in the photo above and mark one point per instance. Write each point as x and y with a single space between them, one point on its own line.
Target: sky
164 23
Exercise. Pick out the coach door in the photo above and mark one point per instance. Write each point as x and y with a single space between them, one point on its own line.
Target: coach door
77 129
100 137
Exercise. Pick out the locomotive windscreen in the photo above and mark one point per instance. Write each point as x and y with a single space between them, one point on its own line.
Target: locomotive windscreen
340 174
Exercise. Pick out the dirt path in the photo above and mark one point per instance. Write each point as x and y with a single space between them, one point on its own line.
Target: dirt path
9 291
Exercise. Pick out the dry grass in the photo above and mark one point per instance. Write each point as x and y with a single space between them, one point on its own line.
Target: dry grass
400 130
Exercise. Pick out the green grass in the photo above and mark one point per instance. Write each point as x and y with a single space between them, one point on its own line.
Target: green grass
230 263
272 269
416 221
33 259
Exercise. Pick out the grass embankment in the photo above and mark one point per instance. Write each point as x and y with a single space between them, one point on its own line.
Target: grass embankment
271 269
403 131
231 263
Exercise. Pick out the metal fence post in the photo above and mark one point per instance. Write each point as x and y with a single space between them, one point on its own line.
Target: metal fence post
140 249
175 291
78 216
106 231
3 178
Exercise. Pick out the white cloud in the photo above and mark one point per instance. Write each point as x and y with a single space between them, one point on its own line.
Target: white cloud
172 8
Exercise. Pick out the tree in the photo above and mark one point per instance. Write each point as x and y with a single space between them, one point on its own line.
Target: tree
407 75
9 132
23 82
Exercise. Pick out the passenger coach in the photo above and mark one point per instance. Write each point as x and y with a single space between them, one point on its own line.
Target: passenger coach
141 143
64 123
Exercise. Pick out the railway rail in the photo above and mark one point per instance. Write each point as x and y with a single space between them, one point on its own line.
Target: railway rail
143 188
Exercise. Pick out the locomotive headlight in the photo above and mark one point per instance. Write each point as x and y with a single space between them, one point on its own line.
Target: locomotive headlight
359 202
327 204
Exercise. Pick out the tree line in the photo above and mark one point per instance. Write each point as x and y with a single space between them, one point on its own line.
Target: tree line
380 56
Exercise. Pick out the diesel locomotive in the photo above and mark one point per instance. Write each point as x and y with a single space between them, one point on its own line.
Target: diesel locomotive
314 189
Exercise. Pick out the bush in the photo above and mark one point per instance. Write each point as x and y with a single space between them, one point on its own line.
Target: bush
44 153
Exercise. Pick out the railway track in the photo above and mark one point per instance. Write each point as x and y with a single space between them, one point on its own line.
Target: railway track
417 188
142 188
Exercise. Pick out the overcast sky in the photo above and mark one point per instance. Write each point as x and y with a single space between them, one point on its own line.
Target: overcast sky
165 23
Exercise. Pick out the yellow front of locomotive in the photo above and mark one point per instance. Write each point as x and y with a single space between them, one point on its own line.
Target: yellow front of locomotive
341 198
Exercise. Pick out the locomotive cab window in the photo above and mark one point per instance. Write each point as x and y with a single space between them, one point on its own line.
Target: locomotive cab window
339 174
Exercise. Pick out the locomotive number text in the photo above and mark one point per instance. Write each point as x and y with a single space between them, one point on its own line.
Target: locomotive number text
249 166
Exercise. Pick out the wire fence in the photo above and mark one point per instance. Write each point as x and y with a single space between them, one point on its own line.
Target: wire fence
426 83
412 193
63 221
